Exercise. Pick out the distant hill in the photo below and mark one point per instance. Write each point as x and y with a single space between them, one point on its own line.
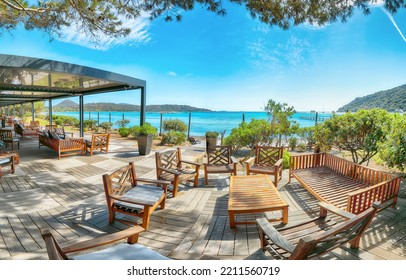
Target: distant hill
68 106
391 100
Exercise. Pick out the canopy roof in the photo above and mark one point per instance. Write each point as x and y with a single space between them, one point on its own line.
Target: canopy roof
27 79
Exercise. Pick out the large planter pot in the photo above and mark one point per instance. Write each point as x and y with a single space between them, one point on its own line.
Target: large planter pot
211 141
145 144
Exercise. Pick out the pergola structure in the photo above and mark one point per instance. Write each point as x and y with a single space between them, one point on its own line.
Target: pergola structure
26 79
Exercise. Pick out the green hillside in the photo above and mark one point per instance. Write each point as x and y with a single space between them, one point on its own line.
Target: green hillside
391 100
70 106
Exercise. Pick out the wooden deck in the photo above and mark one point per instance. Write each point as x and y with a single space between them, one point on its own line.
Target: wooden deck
67 195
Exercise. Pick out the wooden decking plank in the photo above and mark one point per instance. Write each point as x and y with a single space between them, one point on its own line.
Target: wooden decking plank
216 235
187 243
10 239
24 237
32 228
240 242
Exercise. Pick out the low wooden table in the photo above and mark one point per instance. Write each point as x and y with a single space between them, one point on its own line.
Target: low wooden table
254 194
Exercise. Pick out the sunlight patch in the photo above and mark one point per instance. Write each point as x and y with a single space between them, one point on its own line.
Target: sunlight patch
138 35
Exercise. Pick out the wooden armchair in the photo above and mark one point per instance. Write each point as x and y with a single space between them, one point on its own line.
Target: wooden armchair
315 237
9 137
100 141
170 166
8 159
125 195
267 160
219 160
118 251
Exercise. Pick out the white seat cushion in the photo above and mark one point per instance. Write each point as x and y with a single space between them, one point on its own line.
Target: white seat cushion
123 251
143 194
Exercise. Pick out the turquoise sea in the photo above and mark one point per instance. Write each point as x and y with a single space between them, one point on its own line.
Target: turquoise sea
200 122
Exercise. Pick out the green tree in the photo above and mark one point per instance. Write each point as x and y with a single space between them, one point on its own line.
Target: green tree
393 149
359 133
249 135
279 115
95 18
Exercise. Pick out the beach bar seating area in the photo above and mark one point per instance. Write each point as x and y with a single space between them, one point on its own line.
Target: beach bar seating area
48 203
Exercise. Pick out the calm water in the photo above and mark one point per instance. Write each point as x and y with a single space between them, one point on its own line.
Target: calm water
200 121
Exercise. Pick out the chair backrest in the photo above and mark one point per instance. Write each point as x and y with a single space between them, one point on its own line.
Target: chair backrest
6 135
268 155
120 181
60 131
169 159
348 231
219 155
50 127
34 124
100 140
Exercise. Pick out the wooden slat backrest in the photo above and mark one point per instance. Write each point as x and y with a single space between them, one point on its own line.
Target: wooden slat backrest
219 155
100 139
169 159
267 155
6 135
348 231
120 181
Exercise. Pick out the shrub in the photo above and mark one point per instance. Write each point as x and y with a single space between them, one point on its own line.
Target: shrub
124 131
175 125
66 120
292 143
301 147
145 129
106 126
173 137
286 159
212 134
90 124
122 123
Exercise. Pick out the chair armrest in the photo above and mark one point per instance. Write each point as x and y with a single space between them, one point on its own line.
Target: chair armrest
103 240
191 162
274 235
234 160
328 207
174 172
279 162
250 160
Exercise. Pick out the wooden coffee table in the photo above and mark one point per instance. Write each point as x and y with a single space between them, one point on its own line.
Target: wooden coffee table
254 194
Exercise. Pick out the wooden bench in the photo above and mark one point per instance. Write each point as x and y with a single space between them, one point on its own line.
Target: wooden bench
347 185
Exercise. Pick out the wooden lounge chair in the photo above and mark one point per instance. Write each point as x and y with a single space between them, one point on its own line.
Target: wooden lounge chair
9 137
118 251
171 167
194 141
315 237
125 195
219 160
100 141
267 160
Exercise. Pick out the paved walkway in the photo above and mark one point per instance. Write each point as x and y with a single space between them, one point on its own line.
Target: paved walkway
67 196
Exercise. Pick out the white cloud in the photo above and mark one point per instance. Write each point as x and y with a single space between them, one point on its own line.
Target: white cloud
172 73
138 35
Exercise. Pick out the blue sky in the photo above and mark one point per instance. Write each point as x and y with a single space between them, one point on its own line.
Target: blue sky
236 63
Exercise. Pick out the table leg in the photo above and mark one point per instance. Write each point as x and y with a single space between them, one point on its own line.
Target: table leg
285 215
231 216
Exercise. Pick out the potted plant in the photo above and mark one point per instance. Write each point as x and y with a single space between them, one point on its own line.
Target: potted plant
211 138
145 135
